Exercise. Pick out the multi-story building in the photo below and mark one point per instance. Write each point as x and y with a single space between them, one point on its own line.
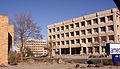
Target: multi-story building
37 47
85 34
6 39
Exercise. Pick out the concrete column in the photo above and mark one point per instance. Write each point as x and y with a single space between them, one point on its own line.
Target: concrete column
43 52
60 51
75 42
69 47
81 52
86 50
107 39
106 28
100 48
68 26
70 50
86 40
115 28
106 20
53 52
93 50
69 35
86 32
85 23
74 25
98 18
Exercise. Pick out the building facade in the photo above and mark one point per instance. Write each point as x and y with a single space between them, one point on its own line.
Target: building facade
86 34
37 47
6 39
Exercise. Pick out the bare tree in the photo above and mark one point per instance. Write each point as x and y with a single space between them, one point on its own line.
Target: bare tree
26 28
50 47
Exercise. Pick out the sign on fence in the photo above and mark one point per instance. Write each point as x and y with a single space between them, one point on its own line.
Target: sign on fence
115 58
113 48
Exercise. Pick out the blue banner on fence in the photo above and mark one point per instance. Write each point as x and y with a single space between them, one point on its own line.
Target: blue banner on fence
115 58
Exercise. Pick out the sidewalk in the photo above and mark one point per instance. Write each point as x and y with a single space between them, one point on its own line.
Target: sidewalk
76 56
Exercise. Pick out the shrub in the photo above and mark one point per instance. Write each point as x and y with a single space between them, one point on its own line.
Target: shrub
26 52
77 66
106 62
18 57
92 56
89 62
12 60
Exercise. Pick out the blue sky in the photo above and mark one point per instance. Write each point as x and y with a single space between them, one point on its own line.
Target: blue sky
45 12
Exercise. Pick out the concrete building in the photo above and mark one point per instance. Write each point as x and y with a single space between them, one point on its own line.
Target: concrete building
6 39
37 47
86 34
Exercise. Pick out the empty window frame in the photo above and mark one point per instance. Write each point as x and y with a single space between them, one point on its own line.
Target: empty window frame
89 31
58 36
95 30
110 28
62 27
72 34
58 43
88 22
111 37
110 18
77 41
72 41
95 21
62 42
53 29
71 25
50 31
83 40
83 32
54 44
103 39
83 23
67 42
66 26
67 34
77 25
103 29
53 36
77 33
58 29
89 40
96 39
50 37
102 19
62 35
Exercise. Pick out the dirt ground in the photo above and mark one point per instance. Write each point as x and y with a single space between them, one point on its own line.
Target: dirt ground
55 66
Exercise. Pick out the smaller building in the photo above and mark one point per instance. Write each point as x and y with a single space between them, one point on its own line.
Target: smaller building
6 39
37 47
